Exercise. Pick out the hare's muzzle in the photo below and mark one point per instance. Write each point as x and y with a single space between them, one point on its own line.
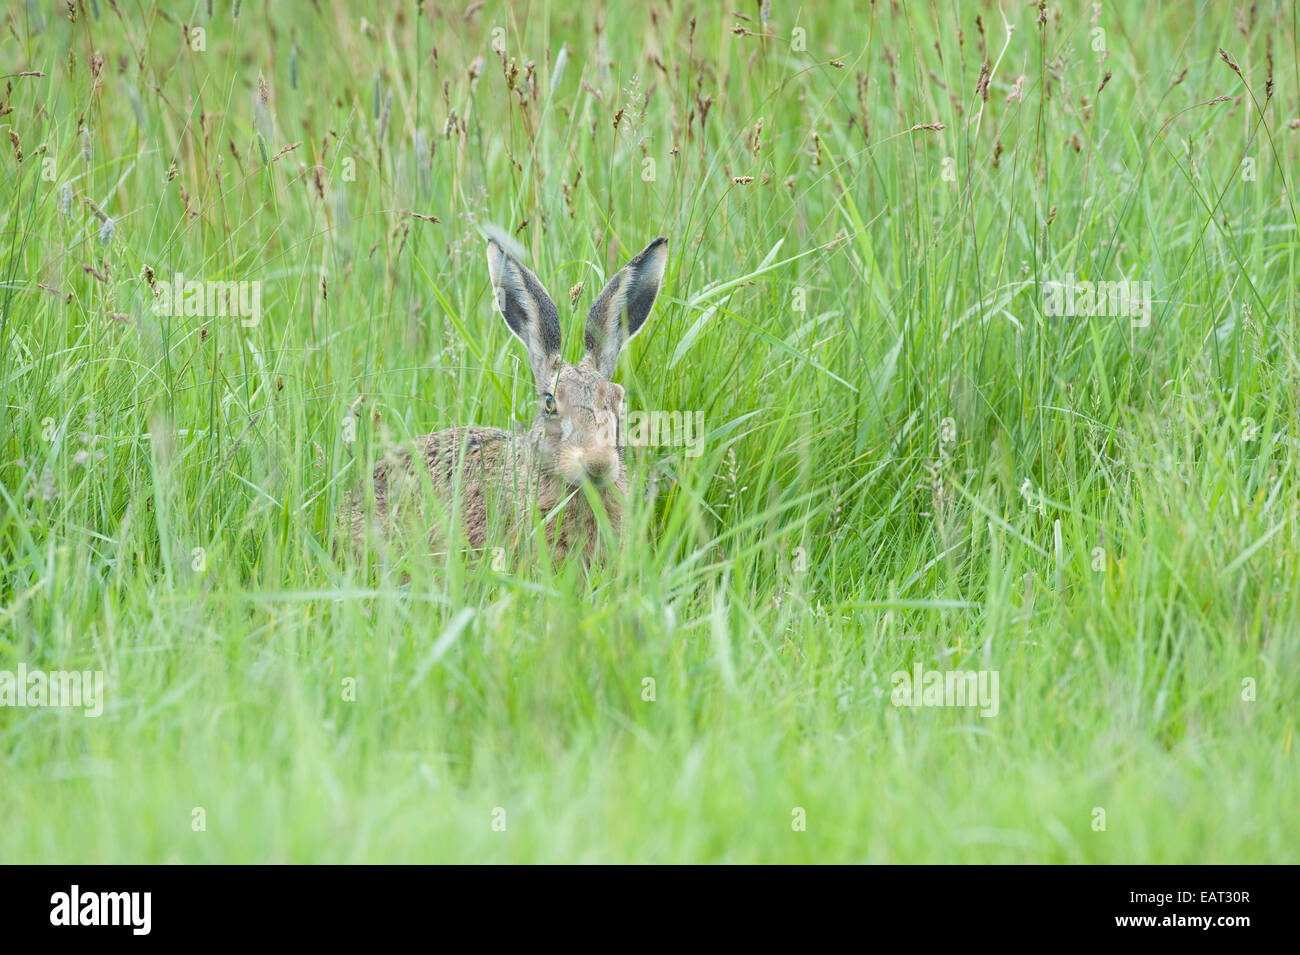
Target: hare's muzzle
599 466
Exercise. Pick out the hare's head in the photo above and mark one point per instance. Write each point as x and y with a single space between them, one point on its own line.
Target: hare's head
578 406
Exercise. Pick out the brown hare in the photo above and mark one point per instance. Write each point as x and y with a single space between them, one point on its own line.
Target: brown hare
496 478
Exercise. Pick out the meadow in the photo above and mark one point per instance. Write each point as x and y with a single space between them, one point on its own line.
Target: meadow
989 316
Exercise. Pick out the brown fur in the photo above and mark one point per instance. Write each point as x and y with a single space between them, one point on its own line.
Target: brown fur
499 479
488 472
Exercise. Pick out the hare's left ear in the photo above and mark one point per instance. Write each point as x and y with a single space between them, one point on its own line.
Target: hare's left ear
623 306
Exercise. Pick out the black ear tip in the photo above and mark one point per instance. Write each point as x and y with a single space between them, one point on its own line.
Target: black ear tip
651 249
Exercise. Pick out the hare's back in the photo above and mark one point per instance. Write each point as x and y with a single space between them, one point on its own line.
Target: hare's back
459 453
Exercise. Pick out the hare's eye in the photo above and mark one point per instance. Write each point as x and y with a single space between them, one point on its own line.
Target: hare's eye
548 402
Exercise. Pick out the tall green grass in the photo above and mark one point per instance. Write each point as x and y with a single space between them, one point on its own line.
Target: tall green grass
906 459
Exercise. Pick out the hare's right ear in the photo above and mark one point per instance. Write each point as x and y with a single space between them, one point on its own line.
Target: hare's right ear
529 312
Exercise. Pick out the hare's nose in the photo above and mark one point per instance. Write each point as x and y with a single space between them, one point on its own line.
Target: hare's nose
599 467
